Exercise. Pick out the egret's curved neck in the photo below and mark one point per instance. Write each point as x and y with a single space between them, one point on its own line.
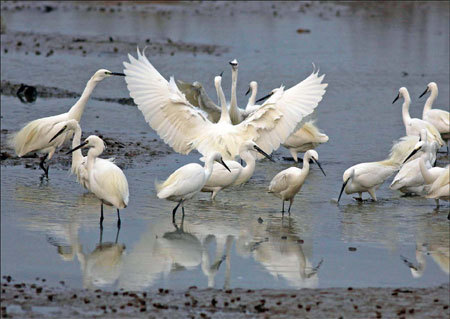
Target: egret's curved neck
252 98
93 153
428 178
305 168
405 110
77 156
76 111
208 167
250 164
224 115
430 100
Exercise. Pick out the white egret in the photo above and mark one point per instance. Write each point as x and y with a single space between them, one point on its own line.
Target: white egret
287 183
236 113
414 125
253 88
439 185
105 179
368 177
169 113
439 118
35 136
187 181
409 179
220 178
306 138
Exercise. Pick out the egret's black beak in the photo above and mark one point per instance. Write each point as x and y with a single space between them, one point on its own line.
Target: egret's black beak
258 149
398 96
424 92
78 147
265 97
342 189
59 133
320 166
248 91
221 73
411 155
116 73
224 165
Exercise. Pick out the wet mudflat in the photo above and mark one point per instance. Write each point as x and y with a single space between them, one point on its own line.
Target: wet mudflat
50 228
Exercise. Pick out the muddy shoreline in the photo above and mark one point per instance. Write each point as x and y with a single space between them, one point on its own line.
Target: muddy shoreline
33 300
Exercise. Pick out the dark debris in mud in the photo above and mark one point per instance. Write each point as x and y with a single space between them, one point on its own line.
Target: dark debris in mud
127 153
22 300
53 43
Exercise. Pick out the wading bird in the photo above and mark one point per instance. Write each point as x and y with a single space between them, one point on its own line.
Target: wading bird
439 185
414 125
35 136
439 118
187 181
169 113
409 180
368 177
287 183
306 138
220 178
105 179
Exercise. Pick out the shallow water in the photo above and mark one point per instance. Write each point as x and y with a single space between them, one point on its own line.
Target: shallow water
50 229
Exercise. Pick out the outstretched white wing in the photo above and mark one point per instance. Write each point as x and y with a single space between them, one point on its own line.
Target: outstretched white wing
279 116
168 112
164 107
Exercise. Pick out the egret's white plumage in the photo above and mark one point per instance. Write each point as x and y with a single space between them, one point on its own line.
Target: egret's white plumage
288 182
221 178
187 181
439 118
409 179
368 177
169 113
35 136
414 125
439 185
306 138
105 179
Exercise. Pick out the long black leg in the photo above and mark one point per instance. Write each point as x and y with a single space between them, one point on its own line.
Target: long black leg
101 236
175 210
118 219
182 210
289 210
101 216
41 165
117 235
282 209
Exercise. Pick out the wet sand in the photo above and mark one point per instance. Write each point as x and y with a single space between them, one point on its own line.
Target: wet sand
35 300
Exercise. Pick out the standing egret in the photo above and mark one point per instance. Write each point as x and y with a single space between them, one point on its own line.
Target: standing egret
169 113
288 182
409 179
187 181
439 185
35 136
221 179
105 179
368 177
306 138
414 125
439 118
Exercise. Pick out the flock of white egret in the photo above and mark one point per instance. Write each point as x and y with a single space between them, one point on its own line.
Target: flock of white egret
187 119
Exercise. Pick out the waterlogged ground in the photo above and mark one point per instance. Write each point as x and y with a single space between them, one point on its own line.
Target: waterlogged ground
49 228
